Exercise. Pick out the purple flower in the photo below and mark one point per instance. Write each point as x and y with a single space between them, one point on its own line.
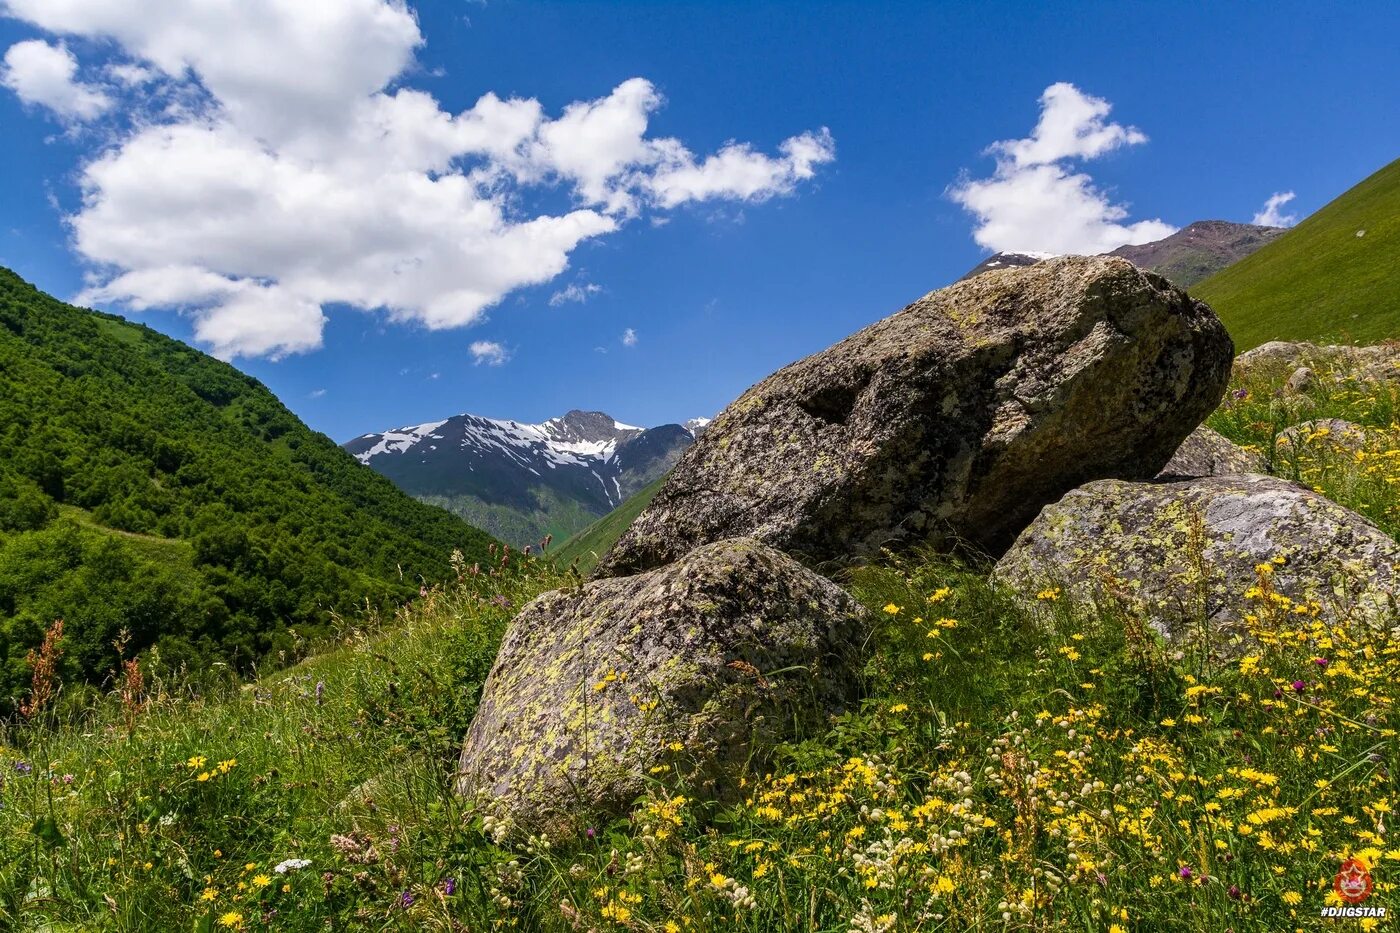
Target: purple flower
1299 686
320 692
1185 873
449 886
23 767
1240 393
406 899
1234 892
1321 662
591 833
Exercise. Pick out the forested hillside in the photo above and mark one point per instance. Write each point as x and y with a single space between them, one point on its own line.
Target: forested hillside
150 489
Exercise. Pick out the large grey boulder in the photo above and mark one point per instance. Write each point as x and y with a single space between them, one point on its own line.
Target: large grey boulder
954 420
1186 552
1207 452
699 666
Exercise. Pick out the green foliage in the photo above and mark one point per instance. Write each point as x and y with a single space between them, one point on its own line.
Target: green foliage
1363 476
552 514
585 549
147 487
1320 281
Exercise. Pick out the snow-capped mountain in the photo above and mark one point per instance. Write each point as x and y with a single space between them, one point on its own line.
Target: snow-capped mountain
522 481
1005 261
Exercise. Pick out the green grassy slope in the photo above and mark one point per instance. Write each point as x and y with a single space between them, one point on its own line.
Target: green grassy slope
589 545
147 487
1320 281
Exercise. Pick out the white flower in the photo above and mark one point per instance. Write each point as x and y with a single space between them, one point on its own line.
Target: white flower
291 864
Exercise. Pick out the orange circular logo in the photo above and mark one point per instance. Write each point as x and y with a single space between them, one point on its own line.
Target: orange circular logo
1353 884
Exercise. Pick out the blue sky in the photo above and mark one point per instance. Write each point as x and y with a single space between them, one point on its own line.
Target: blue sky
797 176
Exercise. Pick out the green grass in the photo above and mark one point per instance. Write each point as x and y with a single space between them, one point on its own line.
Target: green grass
588 546
1010 767
1321 282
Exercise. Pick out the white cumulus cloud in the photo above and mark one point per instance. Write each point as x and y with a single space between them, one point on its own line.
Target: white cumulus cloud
1272 214
46 76
629 338
1038 201
488 352
283 169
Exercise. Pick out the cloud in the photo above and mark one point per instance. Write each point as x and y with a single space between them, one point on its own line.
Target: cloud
317 393
46 76
489 352
574 292
274 166
736 172
1035 202
1272 215
629 338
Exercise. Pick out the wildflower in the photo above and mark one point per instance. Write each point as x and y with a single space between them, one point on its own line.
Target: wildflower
1185 873
291 864
892 609
591 833
1299 686
449 886
196 762
406 899
1321 662
1049 595
1292 898
899 708
23 767
233 920
261 881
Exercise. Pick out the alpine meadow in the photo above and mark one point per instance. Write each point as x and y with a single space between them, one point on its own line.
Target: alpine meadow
859 468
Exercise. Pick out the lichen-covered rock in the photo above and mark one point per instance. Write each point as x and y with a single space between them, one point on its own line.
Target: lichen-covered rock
1303 379
1187 551
1207 452
953 420
699 666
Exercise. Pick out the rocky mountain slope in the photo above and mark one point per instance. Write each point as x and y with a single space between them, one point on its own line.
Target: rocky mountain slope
1200 250
150 489
1184 258
1005 261
1330 279
524 481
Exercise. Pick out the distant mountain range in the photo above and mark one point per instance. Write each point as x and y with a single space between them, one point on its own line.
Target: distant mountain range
1186 257
523 481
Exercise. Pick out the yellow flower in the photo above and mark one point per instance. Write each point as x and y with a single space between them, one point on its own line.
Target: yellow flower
1116 928
196 762
1049 595
233 920
899 708
892 609
261 881
1292 898
208 894
204 776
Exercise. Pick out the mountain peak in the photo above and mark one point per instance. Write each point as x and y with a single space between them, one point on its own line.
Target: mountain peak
588 427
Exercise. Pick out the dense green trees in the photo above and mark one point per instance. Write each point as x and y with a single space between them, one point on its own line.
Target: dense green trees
147 487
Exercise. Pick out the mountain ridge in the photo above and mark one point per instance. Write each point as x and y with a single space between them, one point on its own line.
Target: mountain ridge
521 480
